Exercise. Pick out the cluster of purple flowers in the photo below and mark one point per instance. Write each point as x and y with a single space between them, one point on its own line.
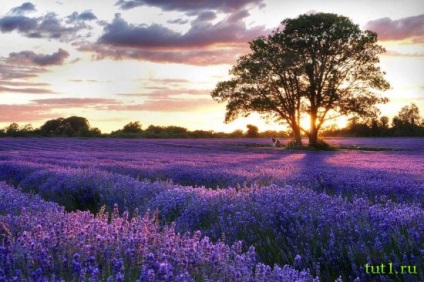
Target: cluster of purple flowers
326 214
44 243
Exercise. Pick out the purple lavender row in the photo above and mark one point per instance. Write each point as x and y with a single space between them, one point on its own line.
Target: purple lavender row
379 176
46 244
140 145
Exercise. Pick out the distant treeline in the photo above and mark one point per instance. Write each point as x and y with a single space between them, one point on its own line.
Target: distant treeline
407 122
80 127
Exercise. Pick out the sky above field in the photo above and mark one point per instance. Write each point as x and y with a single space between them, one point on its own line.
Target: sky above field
156 61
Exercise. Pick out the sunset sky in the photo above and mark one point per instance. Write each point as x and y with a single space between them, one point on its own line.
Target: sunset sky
156 61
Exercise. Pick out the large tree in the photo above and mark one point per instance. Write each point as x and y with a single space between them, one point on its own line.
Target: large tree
317 65
71 126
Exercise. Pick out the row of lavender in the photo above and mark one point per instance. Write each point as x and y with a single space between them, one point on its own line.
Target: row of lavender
378 176
138 145
43 243
328 235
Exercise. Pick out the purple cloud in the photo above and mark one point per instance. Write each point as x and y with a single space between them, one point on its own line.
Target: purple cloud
25 57
13 76
25 90
47 26
24 8
191 57
9 71
177 21
205 43
230 30
388 29
19 23
23 83
190 6
84 16
205 17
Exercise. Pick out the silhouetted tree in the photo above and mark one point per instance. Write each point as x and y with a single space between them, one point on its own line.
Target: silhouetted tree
409 114
153 129
12 130
407 121
71 126
318 64
53 127
75 126
95 132
132 127
384 122
252 131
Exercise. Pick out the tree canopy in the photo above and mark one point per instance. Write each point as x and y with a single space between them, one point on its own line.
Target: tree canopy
71 126
317 66
132 127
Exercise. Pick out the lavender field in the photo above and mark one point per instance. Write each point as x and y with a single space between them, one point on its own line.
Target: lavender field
210 210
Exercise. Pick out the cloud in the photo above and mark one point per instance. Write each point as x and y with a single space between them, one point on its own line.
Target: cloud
23 83
13 78
191 6
167 80
26 90
166 92
231 30
83 80
165 105
25 113
43 109
180 56
84 16
405 28
9 71
29 57
23 9
178 21
204 43
47 26
74 102
20 23
204 17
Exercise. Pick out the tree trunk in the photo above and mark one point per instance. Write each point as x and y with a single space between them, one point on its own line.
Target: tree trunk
297 135
313 132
